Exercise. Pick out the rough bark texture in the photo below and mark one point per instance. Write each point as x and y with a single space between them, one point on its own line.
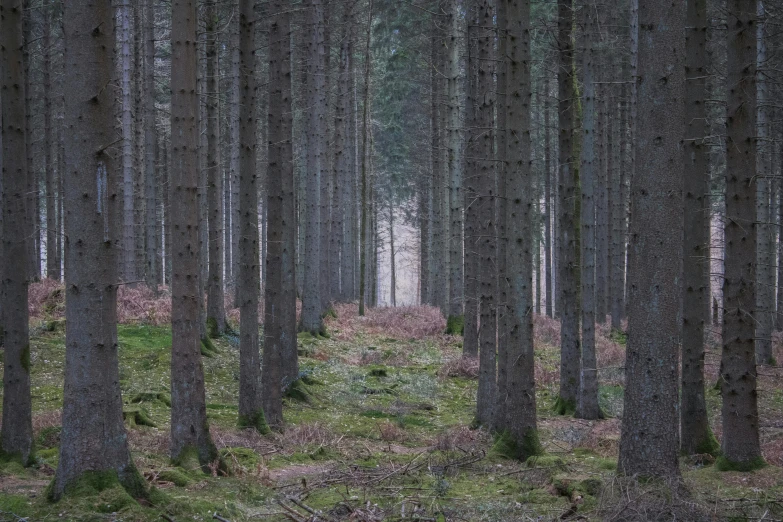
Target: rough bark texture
455 307
548 261
696 436
189 427
280 290
587 404
312 307
521 396
251 414
568 239
152 228
739 412
128 259
17 433
365 235
216 314
486 243
650 442
93 434
52 260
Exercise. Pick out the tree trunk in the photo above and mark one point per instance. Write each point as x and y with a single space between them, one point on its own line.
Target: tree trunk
548 261
152 237
696 436
33 190
345 161
235 116
364 227
52 262
471 218
393 256
94 441
189 425
569 237
128 263
739 412
17 434
216 314
455 320
587 405
649 444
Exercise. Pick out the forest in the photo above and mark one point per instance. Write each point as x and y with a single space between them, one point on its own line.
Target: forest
386 260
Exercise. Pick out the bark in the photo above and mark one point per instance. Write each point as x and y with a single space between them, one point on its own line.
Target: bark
364 228
16 439
94 438
521 396
485 208
601 230
393 256
232 247
189 426
470 185
280 287
649 443
152 237
216 313
327 153
456 281
765 254
548 261
569 237
312 305
52 261
739 412
128 260
251 414
619 224
32 223
587 404
696 436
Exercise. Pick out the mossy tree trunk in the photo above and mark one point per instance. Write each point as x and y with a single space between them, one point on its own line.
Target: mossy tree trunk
189 427
94 440
650 436
17 432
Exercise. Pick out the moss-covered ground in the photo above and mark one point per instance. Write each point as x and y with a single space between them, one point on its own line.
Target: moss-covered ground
379 429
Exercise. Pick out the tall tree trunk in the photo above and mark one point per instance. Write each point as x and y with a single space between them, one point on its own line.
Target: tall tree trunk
94 439
128 263
649 444
587 404
485 202
741 447
33 189
312 305
696 436
365 226
235 117
470 345
549 262
521 395
327 153
569 237
619 223
52 262
16 439
251 413
152 237
280 285
393 256
765 254
216 314
189 425
455 320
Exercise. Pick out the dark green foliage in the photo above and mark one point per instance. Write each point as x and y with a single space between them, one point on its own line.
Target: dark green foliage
455 325
378 372
723 464
709 446
177 476
212 328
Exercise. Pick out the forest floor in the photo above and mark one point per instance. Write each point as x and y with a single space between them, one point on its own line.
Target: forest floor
382 431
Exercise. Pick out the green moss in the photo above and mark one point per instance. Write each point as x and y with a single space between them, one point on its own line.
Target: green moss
213 332
151 396
619 337
330 313
49 437
455 325
323 453
545 461
507 446
193 459
207 347
188 459
297 391
255 421
25 358
724 464
564 407
567 485
92 483
378 372
709 445
137 416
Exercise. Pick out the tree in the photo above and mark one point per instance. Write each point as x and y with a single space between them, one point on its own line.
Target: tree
740 445
251 413
312 307
521 396
280 290
189 427
649 443
128 259
455 319
587 403
16 438
364 228
569 237
52 225
152 230
94 443
695 428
